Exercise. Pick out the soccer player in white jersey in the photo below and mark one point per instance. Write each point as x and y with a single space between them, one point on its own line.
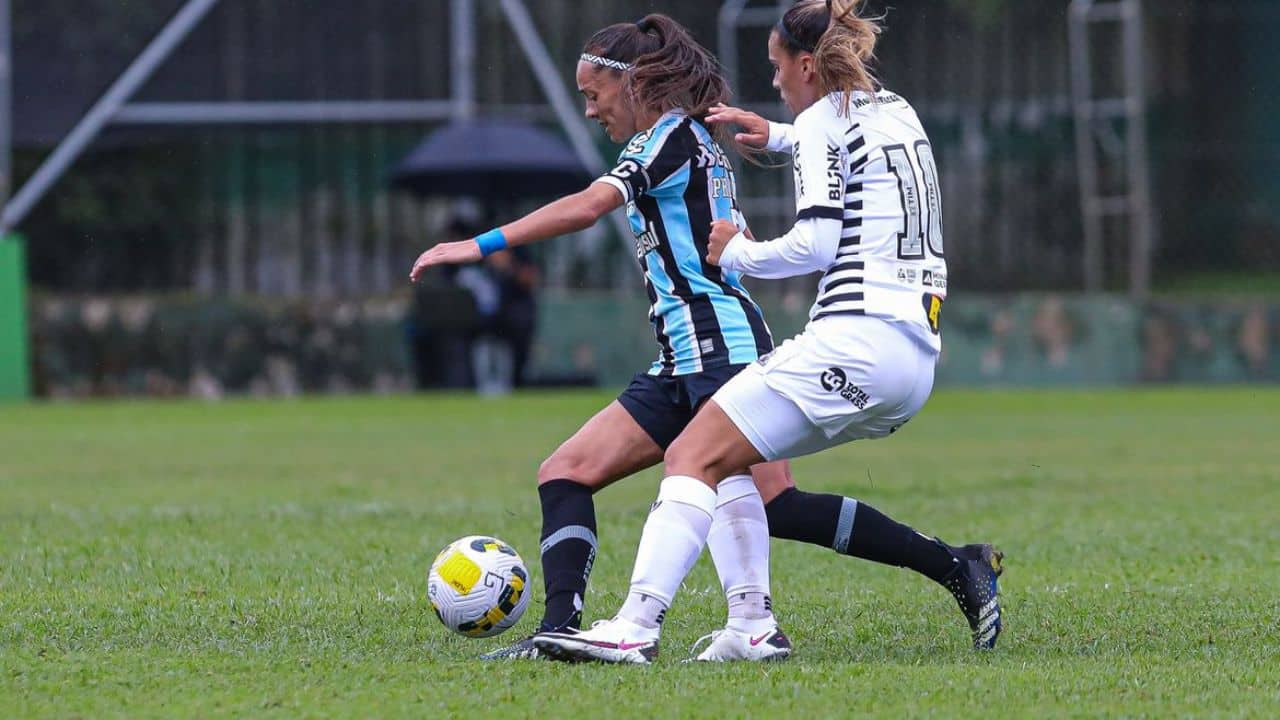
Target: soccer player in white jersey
869 218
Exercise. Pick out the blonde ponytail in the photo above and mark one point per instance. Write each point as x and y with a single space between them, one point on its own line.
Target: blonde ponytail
843 56
842 43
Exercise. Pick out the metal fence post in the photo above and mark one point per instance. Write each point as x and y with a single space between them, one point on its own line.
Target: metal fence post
553 87
104 110
15 371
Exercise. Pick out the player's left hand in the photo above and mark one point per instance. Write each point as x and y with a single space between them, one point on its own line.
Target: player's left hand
722 231
450 253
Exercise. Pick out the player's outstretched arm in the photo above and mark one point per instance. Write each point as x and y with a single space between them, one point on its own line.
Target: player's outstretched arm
808 247
568 214
813 242
754 131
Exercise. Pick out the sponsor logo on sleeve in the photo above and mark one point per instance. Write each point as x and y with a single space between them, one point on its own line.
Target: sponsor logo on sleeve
835 175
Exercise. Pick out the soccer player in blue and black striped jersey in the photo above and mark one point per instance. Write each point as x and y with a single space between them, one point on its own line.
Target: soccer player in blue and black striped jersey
675 180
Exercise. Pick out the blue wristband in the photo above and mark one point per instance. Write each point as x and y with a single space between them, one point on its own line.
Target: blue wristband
491 242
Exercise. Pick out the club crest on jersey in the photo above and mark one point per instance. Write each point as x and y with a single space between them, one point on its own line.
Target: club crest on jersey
636 146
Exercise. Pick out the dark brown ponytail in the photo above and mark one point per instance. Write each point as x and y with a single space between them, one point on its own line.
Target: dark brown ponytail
672 71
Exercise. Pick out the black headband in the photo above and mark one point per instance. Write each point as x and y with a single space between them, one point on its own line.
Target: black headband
791 39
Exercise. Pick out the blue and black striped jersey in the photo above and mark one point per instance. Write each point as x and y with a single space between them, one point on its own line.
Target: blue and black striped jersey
676 180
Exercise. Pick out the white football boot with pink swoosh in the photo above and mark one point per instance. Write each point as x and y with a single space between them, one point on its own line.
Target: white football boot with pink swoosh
611 641
729 645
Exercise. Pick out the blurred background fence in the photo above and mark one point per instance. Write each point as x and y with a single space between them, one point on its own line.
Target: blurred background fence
293 229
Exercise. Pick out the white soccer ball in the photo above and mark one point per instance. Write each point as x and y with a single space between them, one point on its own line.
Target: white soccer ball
478 586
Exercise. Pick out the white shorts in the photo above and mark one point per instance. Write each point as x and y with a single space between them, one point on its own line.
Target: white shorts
846 377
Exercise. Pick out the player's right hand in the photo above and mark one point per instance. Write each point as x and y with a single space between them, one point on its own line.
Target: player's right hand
754 131
450 253
722 231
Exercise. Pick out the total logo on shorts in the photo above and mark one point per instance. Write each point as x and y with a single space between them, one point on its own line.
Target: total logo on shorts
834 380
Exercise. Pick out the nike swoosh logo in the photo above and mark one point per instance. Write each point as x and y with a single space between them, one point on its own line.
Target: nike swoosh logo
757 641
623 646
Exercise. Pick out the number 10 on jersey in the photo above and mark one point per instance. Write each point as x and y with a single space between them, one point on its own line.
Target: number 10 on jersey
921 207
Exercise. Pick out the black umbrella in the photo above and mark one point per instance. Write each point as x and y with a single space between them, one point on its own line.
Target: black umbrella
491 159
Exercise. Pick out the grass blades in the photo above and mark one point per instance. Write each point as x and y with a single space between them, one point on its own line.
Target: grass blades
268 559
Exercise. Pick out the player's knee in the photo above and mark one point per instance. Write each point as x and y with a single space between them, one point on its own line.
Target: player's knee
684 458
570 466
553 468
772 479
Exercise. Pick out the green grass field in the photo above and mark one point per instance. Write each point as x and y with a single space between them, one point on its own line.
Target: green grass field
267 559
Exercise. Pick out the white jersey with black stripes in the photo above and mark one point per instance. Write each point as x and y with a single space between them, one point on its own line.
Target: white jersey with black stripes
868 214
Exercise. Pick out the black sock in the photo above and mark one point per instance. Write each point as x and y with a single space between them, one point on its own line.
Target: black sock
807 517
854 528
568 550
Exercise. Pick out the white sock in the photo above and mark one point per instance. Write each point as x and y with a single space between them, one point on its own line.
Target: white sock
669 546
739 544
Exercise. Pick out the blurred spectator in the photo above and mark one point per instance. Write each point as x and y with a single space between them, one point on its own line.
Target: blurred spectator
1180 343
446 315
1159 346
1001 328
473 325
1054 331
517 317
1253 341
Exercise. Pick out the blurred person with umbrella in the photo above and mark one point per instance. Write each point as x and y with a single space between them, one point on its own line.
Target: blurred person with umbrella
483 341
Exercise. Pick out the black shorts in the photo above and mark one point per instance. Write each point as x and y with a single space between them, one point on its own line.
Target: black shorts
664 405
